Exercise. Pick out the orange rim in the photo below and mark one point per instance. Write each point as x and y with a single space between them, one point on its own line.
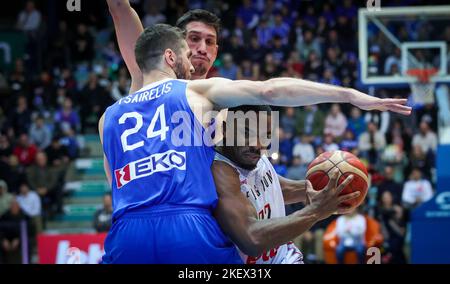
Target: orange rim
423 75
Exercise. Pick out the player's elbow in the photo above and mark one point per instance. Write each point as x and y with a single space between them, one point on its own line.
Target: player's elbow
267 92
253 247
270 92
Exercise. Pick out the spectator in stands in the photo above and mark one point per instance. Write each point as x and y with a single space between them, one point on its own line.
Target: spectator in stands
391 61
29 19
40 135
248 14
381 120
248 70
349 142
12 173
278 50
391 217
5 198
391 185
294 65
241 32
67 117
288 122
228 69
60 45
69 141
25 151
30 203
10 223
153 16
335 122
329 144
57 154
351 230
286 144
426 138
5 148
304 150
280 29
297 170
371 143
419 159
313 66
45 180
308 44
20 118
279 164
93 100
17 80
120 88
416 190
264 33
394 155
83 47
310 121
270 67
103 216
255 52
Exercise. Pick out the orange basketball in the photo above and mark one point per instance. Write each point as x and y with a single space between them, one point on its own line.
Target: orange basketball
319 173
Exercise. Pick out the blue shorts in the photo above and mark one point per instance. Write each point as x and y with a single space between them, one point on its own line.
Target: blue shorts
169 235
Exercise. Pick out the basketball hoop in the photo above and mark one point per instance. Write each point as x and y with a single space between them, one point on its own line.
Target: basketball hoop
423 88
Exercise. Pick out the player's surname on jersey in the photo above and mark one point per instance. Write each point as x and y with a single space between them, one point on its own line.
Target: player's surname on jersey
147 95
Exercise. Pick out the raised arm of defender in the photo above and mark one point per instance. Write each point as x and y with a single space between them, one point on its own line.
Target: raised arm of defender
128 27
224 93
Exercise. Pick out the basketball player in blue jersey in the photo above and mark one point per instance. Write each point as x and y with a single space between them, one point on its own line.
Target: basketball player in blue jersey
202 30
164 194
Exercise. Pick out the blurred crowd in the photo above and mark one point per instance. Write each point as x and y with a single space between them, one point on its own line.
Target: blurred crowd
71 70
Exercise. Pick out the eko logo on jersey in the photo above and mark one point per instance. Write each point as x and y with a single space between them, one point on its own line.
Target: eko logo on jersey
159 162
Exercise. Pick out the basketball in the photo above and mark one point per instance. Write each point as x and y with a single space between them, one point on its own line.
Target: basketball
320 169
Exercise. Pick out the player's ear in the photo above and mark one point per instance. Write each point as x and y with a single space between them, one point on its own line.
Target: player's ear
170 57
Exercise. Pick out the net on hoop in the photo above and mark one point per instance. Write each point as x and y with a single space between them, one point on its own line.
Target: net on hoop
423 88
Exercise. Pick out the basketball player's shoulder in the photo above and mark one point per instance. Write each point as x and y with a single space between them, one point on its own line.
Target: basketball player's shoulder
265 160
222 168
226 178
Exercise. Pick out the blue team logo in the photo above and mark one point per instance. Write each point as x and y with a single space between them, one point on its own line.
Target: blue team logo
147 166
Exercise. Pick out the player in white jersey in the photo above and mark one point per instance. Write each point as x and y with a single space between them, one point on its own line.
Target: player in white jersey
251 207
262 188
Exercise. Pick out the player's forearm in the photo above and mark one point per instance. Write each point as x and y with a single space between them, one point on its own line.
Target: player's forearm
271 233
298 92
294 191
128 28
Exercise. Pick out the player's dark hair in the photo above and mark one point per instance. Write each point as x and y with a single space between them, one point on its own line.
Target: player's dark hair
153 42
199 15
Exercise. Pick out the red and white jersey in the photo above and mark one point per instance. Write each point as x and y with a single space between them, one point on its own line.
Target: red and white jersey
262 188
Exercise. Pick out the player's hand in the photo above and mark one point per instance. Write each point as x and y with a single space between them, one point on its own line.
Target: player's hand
327 201
367 102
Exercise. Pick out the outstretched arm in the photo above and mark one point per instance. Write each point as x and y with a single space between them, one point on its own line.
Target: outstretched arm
239 220
224 93
128 28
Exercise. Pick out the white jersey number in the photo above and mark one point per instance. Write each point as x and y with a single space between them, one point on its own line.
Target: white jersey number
151 133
